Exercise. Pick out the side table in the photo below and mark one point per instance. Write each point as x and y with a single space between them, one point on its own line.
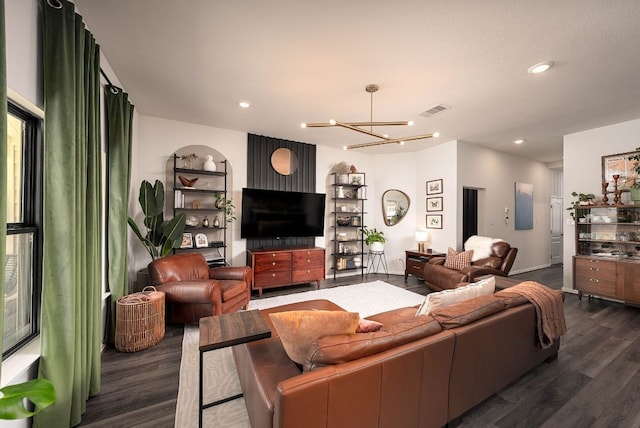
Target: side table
415 261
228 330
377 259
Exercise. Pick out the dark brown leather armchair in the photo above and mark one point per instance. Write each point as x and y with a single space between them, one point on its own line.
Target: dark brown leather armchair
437 277
193 290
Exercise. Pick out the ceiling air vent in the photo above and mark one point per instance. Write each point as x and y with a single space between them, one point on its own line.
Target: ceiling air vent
434 110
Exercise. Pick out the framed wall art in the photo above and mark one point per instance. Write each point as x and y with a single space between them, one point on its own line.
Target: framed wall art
620 165
434 187
524 206
434 221
434 203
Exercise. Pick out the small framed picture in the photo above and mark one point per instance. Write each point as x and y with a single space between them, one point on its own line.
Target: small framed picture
355 220
187 240
434 221
434 203
434 187
201 240
356 178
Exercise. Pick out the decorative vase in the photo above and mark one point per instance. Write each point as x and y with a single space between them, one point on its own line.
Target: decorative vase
376 247
205 222
209 164
340 192
343 179
216 222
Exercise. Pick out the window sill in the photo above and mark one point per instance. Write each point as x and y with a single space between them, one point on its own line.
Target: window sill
20 362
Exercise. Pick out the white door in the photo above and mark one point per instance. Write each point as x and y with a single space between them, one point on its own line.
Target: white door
556 230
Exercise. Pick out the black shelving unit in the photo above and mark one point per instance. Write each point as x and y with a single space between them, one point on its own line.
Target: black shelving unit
184 202
348 216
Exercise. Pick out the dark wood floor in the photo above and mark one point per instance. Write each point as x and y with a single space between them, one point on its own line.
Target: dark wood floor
594 382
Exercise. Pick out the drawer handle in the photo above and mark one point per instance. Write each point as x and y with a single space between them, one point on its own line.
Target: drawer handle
273 263
415 267
308 261
594 280
594 268
308 271
273 275
273 254
594 261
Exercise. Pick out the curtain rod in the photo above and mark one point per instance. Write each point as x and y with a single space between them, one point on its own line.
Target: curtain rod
112 88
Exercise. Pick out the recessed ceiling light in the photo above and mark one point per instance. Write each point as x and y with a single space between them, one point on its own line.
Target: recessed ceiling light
540 67
518 141
244 104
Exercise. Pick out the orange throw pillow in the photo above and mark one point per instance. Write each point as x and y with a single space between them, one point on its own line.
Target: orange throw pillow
299 329
458 260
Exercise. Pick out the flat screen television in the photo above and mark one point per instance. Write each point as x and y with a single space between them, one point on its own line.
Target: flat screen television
279 214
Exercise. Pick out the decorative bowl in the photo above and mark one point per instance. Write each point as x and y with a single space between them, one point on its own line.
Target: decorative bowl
186 181
343 220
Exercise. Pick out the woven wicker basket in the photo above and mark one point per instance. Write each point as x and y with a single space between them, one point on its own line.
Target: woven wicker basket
139 320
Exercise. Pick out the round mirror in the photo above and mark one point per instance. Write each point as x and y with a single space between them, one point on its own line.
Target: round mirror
284 161
395 204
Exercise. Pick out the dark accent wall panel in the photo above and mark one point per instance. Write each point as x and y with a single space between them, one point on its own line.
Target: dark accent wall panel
261 175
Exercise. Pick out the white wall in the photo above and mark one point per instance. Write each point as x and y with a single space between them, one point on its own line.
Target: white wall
583 153
496 174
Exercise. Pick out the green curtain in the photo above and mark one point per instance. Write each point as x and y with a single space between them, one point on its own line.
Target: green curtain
119 117
71 290
3 162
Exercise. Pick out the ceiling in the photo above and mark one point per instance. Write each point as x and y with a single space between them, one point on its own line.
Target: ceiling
303 61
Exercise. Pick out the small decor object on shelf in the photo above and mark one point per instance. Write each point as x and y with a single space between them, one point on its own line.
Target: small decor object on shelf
634 190
192 221
209 164
216 222
195 204
187 160
187 240
205 222
187 182
201 240
357 179
343 220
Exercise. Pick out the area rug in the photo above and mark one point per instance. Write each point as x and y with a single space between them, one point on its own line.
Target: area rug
220 377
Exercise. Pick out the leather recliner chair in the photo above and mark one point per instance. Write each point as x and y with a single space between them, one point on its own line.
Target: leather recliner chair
193 290
438 278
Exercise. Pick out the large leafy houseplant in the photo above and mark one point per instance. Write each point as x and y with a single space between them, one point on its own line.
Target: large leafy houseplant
225 205
373 235
161 236
635 187
40 392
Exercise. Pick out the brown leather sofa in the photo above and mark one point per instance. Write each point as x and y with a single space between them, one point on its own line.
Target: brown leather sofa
193 290
416 372
438 278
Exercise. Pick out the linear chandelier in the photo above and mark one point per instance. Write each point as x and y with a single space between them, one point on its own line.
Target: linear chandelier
360 127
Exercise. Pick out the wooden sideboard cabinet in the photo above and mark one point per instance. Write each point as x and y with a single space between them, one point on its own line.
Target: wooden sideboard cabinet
415 261
607 262
282 267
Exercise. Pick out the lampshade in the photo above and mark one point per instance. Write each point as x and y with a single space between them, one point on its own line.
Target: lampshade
422 236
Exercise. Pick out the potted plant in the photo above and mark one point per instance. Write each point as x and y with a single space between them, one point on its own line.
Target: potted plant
582 200
634 190
40 392
226 205
341 169
161 236
375 239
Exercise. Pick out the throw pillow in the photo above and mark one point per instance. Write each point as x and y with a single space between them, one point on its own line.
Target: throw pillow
298 329
448 297
457 260
368 326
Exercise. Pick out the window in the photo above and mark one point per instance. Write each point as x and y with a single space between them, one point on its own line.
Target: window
24 250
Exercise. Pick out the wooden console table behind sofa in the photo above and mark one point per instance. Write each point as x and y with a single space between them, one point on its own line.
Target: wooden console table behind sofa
287 266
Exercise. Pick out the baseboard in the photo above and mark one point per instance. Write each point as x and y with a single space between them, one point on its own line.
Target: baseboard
529 269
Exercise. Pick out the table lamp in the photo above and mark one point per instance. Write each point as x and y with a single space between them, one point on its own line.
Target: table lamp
422 236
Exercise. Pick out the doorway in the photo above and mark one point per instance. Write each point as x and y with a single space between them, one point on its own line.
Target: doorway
469 213
556 230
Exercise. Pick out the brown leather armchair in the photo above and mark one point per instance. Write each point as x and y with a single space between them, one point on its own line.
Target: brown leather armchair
437 277
193 290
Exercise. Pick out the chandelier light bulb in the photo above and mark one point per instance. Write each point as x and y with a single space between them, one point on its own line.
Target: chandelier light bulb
303 125
244 104
410 123
436 134
332 122
402 143
344 147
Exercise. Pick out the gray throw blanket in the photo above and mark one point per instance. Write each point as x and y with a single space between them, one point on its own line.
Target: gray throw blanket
549 310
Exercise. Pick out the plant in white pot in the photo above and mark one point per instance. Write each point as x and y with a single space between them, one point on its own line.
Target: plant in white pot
634 190
375 239
341 169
